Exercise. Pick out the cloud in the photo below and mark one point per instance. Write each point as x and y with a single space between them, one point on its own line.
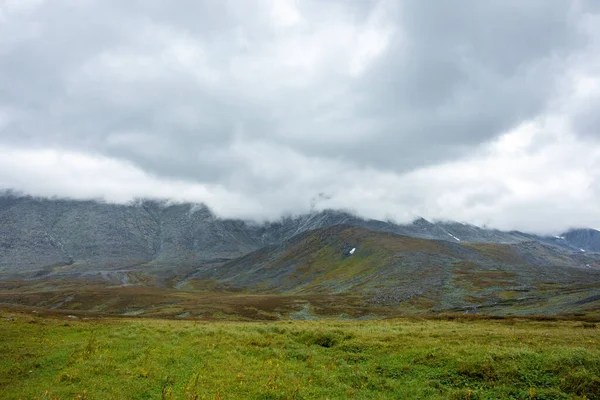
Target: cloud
482 113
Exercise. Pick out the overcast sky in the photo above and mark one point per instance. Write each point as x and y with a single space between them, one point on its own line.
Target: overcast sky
485 112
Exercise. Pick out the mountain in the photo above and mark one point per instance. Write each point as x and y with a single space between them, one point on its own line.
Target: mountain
38 234
392 269
159 258
583 239
345 258
50 235
41 233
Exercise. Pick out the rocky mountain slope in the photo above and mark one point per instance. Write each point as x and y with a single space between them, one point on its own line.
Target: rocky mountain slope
394 270
584 239
53 234
344 257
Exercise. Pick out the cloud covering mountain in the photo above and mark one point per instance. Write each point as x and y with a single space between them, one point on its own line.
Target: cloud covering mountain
484 112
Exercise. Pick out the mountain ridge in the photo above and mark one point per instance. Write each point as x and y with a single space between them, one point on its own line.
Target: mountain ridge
46 234
413 273
150 255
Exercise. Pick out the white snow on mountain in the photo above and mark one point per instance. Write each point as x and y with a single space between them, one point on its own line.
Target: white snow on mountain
453 236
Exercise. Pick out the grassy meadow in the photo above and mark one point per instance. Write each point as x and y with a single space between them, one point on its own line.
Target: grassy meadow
58 357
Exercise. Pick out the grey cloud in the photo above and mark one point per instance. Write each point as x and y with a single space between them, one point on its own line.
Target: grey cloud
586 121
467 74
179 89
470 72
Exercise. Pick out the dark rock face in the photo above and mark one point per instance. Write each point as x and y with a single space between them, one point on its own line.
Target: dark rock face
586 239
25 243
39 234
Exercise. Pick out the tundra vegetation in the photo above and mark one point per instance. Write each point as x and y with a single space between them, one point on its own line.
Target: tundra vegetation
50 355
151 301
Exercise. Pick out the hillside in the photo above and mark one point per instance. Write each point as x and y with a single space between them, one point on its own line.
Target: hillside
393 270
336 271
157 258
49 235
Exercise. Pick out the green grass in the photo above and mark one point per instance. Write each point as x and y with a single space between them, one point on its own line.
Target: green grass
57 357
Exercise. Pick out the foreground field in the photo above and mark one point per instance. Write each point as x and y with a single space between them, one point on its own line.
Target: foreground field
57 357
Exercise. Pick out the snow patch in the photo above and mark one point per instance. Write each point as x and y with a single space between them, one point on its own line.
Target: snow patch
352 251
453 236
582 250
560 237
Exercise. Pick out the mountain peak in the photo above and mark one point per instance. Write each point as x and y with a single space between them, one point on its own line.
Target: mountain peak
420 221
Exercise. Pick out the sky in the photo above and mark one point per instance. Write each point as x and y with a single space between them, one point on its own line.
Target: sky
481 112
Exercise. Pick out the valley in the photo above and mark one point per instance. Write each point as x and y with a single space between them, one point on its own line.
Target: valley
154 259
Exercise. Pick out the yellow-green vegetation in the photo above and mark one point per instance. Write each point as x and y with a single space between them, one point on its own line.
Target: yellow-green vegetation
57 357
